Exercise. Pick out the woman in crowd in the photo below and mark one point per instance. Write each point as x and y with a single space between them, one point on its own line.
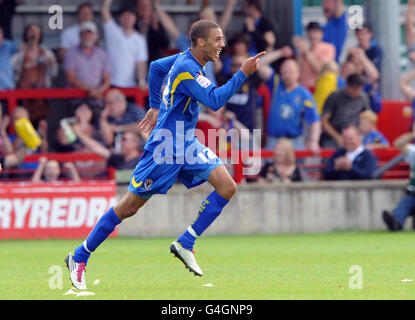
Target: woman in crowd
283 169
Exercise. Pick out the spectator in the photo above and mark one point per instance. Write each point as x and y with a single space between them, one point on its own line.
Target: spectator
42 129
70 37
368 59
351 162
127 158
328 82
34 66
8 157
118 116
261 31
85 118
7 10
284 168
313 56
372 138
7 49
6 147
341 109
49 171
126 48
153 31
335 31
405 208
410 32
372 50
243 102
292 105
87 66
239 46
370 74
409 93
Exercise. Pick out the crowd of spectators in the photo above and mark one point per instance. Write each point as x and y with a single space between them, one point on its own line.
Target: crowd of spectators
323 94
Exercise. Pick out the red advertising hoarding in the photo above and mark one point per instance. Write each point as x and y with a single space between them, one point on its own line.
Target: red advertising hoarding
63 210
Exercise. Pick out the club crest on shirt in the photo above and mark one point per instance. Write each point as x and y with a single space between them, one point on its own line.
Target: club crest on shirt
203 81
148 184
286 111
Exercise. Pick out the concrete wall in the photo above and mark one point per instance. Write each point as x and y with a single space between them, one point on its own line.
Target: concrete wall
270 209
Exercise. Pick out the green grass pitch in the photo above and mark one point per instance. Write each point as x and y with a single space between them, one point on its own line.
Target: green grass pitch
238 268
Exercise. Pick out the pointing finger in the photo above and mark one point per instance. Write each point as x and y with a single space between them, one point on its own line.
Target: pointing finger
260 55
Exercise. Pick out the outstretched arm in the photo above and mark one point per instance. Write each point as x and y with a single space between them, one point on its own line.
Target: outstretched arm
203 90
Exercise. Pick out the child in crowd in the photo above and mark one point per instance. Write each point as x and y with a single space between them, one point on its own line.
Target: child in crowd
372 138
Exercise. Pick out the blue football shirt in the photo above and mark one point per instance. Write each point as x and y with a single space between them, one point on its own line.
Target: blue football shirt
290 109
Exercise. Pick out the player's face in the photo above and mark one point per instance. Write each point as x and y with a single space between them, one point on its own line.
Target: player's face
213 45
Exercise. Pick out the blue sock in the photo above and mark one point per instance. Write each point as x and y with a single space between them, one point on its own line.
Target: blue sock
210 209
105 226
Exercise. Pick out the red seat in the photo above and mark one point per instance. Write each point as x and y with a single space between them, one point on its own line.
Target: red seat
395 119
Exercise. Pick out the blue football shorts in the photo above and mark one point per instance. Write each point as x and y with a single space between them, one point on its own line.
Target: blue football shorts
152 177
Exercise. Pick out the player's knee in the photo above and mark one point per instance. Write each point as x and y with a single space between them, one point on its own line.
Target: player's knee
125 211
228 189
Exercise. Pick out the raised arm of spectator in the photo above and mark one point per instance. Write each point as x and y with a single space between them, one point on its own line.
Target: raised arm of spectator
409 23
339 8
73 172
406 87
91 144
8 146
226 17
15 159
167 21
106 11
370 69
402 142
37 176
265 71
106 130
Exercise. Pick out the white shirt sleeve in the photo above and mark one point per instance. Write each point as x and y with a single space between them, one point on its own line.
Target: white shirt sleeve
142 52
112 31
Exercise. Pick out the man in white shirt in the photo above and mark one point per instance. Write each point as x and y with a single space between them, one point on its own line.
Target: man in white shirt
126 48
352 161
70 36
